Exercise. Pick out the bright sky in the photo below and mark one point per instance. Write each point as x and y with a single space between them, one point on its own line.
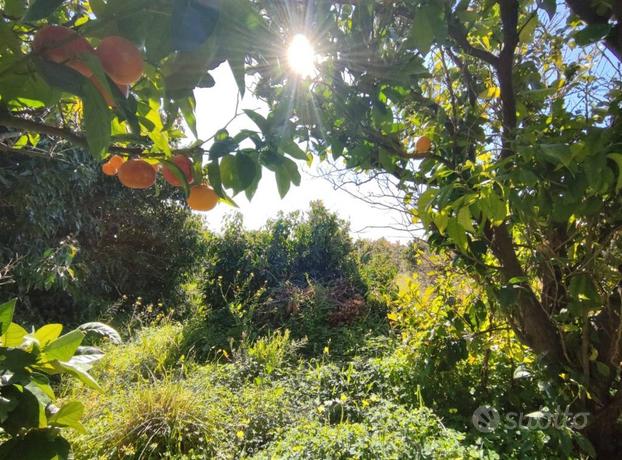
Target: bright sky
215 107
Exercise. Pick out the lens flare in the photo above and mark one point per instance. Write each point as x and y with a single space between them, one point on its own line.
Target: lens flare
301 56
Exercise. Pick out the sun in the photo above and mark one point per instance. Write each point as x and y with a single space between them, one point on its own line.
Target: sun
301 56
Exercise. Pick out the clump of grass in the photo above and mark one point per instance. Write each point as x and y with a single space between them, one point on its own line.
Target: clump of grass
151 354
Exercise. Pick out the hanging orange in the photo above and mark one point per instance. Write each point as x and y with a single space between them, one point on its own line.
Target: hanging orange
202 198
137 174
120 59
183 163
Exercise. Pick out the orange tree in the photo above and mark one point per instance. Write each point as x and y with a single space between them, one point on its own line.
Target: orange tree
522 180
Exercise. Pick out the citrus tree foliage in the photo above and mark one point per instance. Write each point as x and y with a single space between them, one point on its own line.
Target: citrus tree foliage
182 41
523 180
30 420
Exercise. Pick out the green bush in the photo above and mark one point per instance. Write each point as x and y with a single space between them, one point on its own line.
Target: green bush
32 423
86 244
301 272
387 432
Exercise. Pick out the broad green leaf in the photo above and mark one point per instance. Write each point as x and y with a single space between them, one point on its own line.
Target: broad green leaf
293 150
427 26
236 63
228 172
557 153
465 220
7 310
36 445
47 333
247 170
86 356
259 120
40 9
592 33
15 8
527 31
456 232
583 290
69 415
187 107
97 121
550 6
79 372
14 335
282 180
63 348
60 76
617 157
292 170
441 219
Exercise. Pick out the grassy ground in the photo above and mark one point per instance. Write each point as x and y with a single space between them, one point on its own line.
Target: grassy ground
262 400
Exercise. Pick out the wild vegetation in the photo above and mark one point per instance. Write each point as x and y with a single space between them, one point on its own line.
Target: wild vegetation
498 121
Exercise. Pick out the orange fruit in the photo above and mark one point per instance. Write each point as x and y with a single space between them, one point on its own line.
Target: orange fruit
111 167
423 144
120 59
63 46
116 161
202 198
137 173
183 163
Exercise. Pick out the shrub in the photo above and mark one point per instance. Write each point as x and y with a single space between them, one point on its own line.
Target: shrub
388 432
30 420
85 242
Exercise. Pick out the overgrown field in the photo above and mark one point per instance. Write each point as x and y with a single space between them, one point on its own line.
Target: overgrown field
292 341
295 342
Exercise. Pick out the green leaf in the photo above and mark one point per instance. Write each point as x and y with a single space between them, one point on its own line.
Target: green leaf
259 120
236 63
282 181
617 157
592 33
47 333
97 119
103 330
465 220
7 310
292 170
60 76
228 171
427 26
77 371
40 9
69 415
247 170
557 153
550 6
36 445
187 107
64 347
14 335
456 232
292 149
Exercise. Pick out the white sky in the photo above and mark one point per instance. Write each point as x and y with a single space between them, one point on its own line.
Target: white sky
215 107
